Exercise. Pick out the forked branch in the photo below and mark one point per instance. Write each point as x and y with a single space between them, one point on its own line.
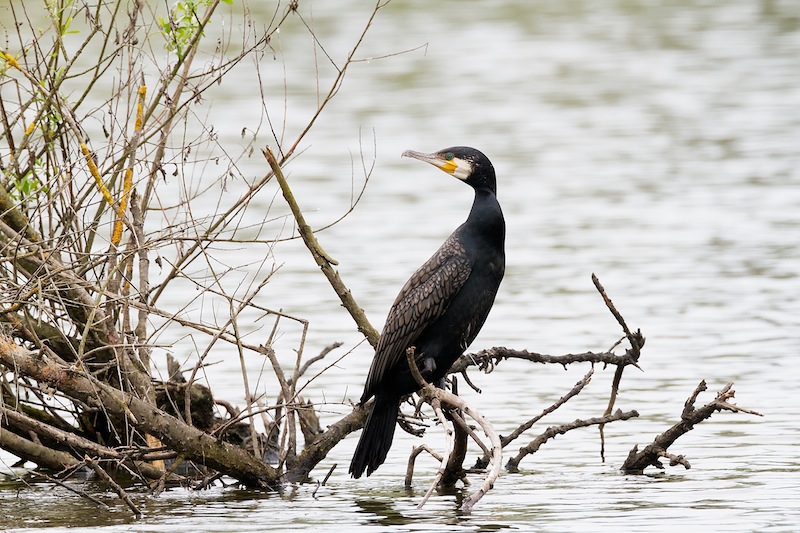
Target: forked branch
429 393
637 460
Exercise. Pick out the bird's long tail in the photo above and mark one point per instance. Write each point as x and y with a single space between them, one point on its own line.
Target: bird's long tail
376 439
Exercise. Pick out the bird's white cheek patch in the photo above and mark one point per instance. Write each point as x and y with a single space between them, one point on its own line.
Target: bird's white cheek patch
463 169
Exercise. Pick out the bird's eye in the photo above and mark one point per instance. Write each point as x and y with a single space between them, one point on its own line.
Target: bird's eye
448 156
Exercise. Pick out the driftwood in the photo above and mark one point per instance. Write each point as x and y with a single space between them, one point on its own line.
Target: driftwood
486 360
193 443
637 460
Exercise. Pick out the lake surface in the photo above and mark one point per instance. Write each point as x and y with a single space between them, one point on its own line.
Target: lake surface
656 145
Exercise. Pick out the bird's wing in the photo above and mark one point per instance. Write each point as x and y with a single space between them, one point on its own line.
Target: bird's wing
423 299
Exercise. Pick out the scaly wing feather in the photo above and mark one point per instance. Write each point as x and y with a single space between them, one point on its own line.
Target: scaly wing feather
423 299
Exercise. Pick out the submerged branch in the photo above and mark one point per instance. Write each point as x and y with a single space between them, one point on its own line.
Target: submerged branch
108 480
637 460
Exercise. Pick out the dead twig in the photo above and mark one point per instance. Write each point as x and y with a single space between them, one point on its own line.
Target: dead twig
486 360
436 405
636 341
553 431
561 401
637 460
324 481
323 260
579 386
107 479
413 458
429 393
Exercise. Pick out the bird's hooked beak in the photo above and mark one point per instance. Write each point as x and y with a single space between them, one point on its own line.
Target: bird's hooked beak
460 168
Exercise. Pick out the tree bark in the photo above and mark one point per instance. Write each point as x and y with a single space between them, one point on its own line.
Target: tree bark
194 444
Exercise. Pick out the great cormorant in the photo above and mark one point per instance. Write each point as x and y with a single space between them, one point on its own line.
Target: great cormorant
441 309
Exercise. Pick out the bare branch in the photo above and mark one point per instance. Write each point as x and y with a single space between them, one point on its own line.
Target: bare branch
636 341
323 260
553 431
429 393
412 458
195 444
564 399
637 460
486 360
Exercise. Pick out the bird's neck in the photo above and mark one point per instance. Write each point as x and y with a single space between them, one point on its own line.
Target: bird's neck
486 215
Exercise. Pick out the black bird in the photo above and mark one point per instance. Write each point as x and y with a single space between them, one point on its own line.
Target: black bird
441 309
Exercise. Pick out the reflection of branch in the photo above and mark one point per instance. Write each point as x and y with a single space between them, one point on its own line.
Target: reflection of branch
322 259
637 460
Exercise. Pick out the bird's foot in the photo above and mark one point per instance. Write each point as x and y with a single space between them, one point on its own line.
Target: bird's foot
428 366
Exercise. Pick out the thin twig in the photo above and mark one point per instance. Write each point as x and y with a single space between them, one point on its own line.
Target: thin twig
114 485
636 341
448 450
323 260
551 432
412 458
579 386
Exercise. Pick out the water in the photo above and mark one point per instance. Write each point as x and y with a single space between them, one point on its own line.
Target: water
652 144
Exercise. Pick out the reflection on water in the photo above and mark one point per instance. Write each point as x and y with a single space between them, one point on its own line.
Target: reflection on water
654 144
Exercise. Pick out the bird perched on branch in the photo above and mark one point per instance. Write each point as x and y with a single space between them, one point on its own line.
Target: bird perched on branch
441 309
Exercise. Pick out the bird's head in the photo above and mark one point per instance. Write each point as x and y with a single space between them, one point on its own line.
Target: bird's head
465 163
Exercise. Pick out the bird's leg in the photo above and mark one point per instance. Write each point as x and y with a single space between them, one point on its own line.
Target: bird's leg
428 365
